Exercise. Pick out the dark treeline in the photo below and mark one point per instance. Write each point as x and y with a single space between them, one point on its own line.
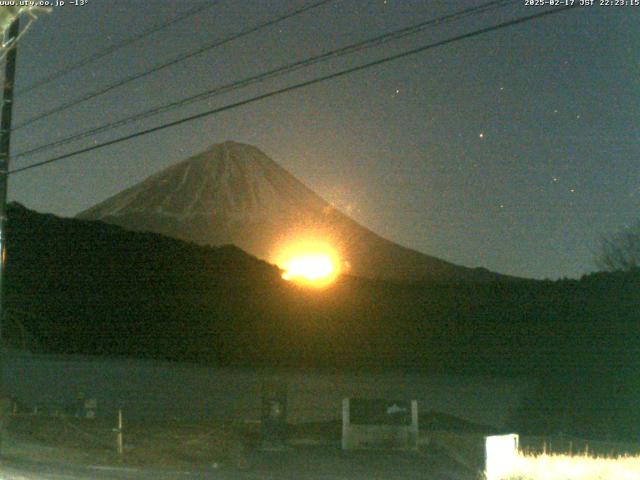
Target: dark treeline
89 288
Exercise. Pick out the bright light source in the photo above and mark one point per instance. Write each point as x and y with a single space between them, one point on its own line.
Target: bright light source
311 263
311 267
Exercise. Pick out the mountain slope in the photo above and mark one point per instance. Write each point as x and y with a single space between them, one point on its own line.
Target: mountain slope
234 194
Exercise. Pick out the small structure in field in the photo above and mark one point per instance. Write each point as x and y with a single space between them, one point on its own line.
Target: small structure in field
378 423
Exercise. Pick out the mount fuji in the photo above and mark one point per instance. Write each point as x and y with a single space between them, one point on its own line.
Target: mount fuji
233 193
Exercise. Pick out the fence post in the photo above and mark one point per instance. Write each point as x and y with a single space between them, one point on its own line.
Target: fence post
119 432
346 423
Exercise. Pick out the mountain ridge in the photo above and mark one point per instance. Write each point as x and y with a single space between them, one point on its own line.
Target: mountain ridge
233 193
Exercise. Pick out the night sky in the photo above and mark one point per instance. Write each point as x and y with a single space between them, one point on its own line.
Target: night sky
515 150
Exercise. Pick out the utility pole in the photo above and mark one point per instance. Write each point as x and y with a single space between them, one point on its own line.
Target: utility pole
5 142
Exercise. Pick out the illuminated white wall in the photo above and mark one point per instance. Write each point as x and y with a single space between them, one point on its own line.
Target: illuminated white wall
501 453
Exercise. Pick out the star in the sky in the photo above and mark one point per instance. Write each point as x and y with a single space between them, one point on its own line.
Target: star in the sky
481 135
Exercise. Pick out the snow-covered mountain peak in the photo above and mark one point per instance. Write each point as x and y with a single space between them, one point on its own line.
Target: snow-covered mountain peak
229 179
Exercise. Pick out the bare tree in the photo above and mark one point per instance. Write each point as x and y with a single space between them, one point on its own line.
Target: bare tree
621 250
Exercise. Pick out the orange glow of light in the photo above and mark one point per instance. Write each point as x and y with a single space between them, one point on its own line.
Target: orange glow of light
313 267
310 263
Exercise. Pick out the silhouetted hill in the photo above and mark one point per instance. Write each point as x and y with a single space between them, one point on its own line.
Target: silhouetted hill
88 287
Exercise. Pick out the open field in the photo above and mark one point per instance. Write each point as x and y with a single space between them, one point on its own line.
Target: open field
158 444
317 457
65 447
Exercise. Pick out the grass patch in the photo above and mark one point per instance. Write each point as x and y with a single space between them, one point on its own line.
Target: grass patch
574 467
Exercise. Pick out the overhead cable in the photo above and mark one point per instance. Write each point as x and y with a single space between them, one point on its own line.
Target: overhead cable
298 86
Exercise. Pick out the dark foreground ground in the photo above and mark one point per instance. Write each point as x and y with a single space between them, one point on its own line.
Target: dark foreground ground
36 447
299 463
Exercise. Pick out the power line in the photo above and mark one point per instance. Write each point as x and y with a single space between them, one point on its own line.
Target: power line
114 48
300 85
279 71
174 61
